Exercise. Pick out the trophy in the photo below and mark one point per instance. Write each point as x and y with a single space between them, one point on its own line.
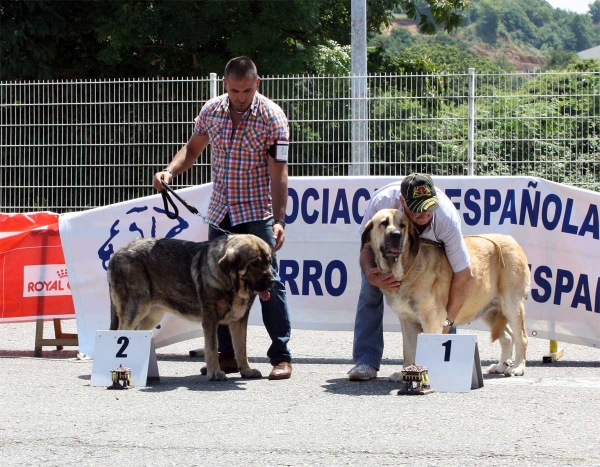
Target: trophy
415 381
121 377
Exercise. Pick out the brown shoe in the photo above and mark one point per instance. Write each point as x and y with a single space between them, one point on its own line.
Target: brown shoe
227 362
283 370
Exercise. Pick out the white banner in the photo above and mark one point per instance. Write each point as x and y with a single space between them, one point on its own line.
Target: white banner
558 227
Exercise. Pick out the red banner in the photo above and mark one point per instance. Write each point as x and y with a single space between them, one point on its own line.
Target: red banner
34 282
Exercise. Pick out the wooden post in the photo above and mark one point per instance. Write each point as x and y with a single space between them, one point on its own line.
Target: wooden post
60 338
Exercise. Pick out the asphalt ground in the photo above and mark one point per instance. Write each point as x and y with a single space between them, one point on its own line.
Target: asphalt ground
51 416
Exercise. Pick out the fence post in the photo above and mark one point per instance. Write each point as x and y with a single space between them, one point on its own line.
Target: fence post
471 122
359 117
213 85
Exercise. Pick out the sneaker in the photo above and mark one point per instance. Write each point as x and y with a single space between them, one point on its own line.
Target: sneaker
362 372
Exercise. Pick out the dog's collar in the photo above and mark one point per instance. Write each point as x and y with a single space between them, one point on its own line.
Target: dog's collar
414 263
412 266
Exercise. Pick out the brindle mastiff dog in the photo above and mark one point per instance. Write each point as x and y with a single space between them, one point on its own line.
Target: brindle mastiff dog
497 295
214 282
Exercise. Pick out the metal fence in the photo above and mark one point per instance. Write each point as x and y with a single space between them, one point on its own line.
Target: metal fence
75 145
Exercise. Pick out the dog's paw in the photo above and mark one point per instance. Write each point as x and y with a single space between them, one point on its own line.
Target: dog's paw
217 376
250 373
515 371
396 377
497 369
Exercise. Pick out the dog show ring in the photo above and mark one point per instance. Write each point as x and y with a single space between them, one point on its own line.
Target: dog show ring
415 380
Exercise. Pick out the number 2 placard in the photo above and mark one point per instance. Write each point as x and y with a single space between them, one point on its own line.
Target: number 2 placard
452 361
132 349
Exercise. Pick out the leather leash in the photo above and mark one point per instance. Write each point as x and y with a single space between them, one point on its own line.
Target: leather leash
173 215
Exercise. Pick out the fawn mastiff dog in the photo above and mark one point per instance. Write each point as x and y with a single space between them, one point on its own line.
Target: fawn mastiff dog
214 282
497 296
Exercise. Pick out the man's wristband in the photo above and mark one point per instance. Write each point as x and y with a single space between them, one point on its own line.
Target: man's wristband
281 223
169 171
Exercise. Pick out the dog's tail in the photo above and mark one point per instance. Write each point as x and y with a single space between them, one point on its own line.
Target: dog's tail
498 325
114 318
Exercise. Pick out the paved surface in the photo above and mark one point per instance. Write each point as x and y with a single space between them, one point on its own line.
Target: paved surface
51 416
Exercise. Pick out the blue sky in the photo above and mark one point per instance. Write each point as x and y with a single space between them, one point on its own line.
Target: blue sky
579 6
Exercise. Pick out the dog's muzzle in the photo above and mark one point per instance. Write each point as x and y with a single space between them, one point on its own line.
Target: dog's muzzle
261 289
393 245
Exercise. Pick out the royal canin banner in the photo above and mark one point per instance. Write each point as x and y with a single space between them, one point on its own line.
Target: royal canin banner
34 282
558 227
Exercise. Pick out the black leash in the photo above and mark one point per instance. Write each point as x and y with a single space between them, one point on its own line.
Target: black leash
167 200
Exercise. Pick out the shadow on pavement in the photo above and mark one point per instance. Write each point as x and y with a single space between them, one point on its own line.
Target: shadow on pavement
54 354
195 382
380 386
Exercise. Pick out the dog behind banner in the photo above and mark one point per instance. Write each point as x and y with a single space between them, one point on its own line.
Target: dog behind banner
33 273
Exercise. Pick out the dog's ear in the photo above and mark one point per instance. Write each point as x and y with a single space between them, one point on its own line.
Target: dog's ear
366 235
229 261
229 264
413 236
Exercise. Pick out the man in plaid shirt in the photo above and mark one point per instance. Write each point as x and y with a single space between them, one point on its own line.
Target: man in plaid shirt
249 138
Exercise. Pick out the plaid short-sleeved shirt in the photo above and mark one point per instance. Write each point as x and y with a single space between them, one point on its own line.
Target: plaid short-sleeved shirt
240 169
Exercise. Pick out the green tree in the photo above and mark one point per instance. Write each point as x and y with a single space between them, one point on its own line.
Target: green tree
488 24
583 29
139 38
559 59
333 59
25 30
434 15
143 38
595 11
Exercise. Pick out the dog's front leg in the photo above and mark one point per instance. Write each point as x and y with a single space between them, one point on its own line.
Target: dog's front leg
410 330
213 370
238 331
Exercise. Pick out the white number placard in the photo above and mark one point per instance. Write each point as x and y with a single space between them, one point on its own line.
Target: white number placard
132 349
452 361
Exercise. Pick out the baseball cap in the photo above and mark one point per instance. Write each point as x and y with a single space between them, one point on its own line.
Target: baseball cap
419 193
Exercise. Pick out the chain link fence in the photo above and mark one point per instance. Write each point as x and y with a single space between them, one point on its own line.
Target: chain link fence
75 145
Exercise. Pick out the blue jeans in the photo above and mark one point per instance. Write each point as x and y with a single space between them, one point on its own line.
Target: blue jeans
275 312
368 326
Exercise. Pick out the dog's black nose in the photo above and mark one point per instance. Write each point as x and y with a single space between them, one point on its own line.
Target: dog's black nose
395 235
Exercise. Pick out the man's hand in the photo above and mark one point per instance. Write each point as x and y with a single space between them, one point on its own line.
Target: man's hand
279 236
183 160
385 281
158 176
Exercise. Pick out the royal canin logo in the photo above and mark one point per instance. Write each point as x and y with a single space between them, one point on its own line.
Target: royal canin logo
45 280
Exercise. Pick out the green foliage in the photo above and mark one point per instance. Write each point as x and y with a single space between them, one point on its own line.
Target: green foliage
584 64
398 40
25 29
560 59
488 23
514 34
332 59
150 38
435 14
583 28
595 11
451 57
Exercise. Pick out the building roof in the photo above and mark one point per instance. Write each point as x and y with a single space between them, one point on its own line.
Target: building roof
594 52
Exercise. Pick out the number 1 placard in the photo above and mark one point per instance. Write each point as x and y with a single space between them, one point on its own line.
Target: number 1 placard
132 349
452 361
